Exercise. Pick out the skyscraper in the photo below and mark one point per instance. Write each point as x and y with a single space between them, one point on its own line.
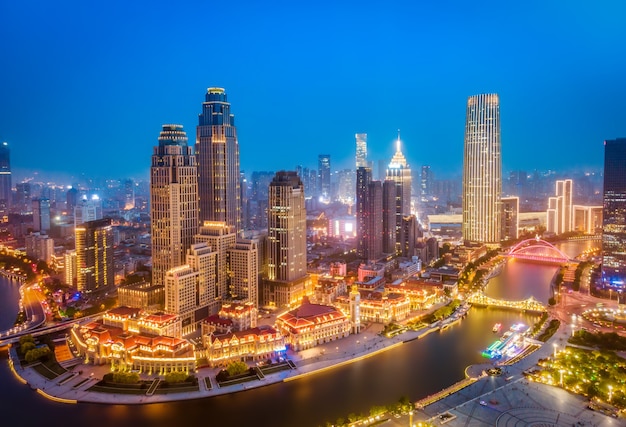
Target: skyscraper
559 215
41 215
286 248
217 154
5 177
94 255
323 173
361 150
399 172
220 237
426 182
87 210
614 214
369 215
173 201
482 170
363 178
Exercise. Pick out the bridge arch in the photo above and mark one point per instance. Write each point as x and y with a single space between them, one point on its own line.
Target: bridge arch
529 247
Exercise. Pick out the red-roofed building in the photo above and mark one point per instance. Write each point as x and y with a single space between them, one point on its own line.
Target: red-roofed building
313 324
259 343
128 338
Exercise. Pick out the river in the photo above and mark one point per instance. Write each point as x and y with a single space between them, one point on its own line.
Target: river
415 369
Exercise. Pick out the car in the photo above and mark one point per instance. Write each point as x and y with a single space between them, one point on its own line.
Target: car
483 403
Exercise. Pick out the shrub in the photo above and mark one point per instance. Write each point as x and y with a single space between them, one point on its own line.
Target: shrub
125 377
237 367
176 377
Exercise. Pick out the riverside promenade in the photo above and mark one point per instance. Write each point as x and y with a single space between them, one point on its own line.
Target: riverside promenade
73 386
511 400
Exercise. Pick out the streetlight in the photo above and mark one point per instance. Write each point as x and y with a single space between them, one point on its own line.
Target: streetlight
561 372
554 345
410 418
610 393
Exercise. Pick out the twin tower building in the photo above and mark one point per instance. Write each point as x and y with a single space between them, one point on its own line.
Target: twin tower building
198 252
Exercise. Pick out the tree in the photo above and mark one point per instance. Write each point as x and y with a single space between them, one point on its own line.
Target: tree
237 367
552 301
37 353
26 338
27 346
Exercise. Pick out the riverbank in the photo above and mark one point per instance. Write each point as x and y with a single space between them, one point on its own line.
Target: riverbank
73 386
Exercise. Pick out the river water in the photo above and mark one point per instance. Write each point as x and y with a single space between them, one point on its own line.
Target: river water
415 369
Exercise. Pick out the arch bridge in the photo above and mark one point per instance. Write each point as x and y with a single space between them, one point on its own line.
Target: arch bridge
538 250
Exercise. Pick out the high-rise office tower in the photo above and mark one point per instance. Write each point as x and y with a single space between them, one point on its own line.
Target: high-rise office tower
426 182
220 237
287 280
363 178
94 255
361 150
217 154
41 215
510 218
129 194
173 201
243 260
560 208
400 173
369 215
323 174
69 267
482 170
389 217
286 227
87 210
614 214
5 178
71 199
22 196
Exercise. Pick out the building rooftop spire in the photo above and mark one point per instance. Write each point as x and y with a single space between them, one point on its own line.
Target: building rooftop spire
398 160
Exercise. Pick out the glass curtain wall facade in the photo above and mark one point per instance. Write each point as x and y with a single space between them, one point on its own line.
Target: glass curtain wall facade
482 170
614 214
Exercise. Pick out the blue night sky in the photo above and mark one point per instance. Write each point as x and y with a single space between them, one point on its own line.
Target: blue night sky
85 86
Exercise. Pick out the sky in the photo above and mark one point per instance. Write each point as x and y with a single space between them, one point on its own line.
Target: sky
85 86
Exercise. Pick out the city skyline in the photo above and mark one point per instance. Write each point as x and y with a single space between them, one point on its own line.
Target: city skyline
545 67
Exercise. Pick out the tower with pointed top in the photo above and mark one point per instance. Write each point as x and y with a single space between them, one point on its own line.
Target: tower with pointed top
399 172
173 201
217 156
482 170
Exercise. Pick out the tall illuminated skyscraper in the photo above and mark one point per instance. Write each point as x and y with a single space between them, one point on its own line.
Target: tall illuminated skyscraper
173 201
94 255
482 170
217 154
323 175
5 177
399 172
614 214
361 150
41 214
287 278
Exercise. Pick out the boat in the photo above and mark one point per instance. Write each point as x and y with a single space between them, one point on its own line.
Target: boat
497 327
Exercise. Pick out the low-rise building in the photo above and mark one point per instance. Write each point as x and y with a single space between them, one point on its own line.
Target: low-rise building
313 324
379 307
129 338
141 295
258 343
